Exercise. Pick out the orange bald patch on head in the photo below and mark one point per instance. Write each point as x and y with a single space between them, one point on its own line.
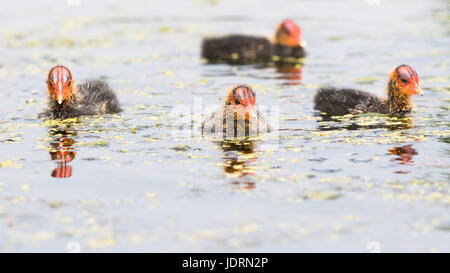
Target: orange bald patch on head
288 34
241 99
240 95
406 79
60 84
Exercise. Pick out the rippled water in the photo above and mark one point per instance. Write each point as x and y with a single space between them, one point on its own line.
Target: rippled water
131 185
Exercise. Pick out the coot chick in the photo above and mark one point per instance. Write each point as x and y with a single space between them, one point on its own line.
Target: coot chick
67 100
238 116
250 49
403 82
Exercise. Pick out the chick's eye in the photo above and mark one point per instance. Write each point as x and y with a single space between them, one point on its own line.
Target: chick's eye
404 80
69 83
237 101
50 83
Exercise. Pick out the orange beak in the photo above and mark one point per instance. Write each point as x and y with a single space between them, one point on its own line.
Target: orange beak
417 89
59 92
250 112
413 89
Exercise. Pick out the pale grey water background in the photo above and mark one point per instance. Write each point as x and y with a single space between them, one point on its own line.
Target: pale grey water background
136 188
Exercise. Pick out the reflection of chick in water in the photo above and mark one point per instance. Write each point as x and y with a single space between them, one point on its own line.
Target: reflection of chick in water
238 155
390 123
62 152
292 73
405 154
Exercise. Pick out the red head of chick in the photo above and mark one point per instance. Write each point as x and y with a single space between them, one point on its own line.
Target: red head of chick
288 34
405 80
60 84
240 100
